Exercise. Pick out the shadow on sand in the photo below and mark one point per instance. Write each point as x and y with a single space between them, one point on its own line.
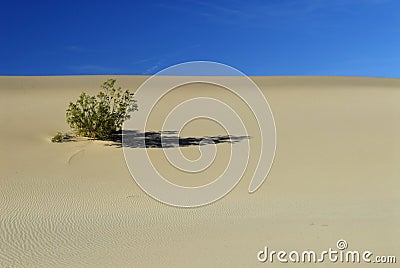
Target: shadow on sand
152 139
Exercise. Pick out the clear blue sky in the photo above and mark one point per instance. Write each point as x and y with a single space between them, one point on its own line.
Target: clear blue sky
279 37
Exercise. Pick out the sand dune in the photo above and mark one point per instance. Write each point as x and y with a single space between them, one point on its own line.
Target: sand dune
335 176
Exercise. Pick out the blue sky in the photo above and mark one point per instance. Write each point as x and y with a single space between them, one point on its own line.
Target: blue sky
277 37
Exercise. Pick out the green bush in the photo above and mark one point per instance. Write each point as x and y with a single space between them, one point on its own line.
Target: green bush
98 117
60 137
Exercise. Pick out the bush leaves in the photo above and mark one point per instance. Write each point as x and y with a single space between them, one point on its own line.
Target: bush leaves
98 117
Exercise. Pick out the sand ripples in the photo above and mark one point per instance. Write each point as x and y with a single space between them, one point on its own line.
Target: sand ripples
59 225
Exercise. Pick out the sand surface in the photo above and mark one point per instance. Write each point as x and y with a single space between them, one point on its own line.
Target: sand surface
335 176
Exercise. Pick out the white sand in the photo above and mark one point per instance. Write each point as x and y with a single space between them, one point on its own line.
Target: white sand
335 176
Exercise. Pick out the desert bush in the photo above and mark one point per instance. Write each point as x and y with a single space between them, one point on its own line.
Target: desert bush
99 116
60 137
